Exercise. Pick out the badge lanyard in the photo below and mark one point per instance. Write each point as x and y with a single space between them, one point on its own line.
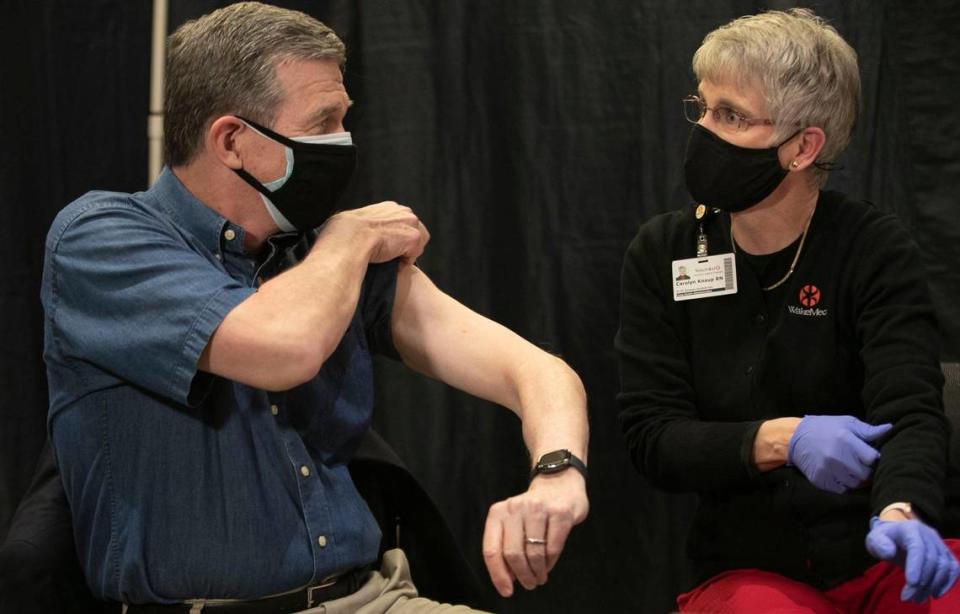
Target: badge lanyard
704 276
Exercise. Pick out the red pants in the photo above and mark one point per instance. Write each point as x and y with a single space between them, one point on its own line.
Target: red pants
745 591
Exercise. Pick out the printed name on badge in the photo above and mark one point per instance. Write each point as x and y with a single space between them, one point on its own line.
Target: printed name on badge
695 278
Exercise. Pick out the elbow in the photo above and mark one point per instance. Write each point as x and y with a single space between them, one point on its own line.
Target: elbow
645 454
650 466
297 362
549 376
570 376
274 357
306 357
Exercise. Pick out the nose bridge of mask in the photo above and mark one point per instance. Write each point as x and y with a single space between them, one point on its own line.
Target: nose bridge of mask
334 138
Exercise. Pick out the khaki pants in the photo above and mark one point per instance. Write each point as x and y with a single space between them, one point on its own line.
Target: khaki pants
388 591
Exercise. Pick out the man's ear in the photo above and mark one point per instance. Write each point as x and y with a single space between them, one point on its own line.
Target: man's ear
809 143
221 140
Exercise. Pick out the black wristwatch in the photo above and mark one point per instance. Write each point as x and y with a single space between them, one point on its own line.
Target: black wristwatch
556 461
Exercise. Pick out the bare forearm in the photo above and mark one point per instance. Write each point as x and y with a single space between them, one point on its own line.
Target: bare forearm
315 301
772 442
280 336
443 339
552 406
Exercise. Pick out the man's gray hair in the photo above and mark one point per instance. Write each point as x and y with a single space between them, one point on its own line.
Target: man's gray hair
806 72
225 62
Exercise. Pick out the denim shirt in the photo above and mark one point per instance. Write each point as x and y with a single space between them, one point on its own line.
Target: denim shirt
183 484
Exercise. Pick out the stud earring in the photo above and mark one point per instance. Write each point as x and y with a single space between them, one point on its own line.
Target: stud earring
794 164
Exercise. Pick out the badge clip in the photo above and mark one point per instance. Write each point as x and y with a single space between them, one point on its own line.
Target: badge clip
700 212
701 244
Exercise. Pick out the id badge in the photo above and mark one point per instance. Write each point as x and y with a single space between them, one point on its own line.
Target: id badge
695 278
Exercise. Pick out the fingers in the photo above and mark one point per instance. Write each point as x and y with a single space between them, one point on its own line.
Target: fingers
870 432
929 567
424 236
535 530
500 574
505 551
953 572
514 548
398 231
386 209
929 571
940 578
910 541
847 464
881 546
558 529
830 484
839 475
418 244
866 454
522 541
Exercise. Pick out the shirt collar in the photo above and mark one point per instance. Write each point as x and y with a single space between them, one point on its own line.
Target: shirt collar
214 231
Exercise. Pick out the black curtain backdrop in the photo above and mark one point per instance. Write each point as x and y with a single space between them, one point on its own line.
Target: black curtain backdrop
532 138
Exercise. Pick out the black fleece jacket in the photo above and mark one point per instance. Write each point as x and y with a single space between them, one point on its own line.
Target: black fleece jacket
851 332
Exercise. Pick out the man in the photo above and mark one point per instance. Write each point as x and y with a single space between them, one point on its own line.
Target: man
204 403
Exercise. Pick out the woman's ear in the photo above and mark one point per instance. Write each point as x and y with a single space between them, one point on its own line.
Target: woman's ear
805 148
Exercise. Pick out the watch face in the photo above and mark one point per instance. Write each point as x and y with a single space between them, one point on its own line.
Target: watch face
551 461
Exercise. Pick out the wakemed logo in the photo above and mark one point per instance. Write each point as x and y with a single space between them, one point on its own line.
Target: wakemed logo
809 298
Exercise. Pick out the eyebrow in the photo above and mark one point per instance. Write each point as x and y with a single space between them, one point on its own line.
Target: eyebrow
724 102
324 111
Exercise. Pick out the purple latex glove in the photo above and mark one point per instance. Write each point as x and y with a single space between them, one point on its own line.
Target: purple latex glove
834 452
928 565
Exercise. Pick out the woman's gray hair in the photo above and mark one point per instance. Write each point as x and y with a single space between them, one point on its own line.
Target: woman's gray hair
806 72
225 62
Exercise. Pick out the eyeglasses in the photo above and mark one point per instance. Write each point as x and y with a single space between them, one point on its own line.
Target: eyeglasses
694 108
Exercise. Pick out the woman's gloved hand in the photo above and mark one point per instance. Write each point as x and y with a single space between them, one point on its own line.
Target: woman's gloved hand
834 452
928 565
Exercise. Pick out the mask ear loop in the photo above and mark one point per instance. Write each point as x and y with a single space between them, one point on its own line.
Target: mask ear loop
823 166
267 132
786 140
829 166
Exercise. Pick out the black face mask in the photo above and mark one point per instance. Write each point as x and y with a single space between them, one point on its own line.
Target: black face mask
317 176
732 178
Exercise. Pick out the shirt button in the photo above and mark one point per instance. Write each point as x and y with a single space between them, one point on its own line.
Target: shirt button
322 541
304 471
218 256
749 370
274 410
229 235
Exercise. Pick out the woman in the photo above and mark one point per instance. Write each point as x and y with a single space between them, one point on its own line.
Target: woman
792 380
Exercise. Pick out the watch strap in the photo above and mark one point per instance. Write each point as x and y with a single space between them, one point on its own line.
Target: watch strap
570 460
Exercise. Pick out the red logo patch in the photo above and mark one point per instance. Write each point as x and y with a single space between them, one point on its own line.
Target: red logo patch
809 295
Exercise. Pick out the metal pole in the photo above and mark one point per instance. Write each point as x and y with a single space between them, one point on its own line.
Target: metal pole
155 118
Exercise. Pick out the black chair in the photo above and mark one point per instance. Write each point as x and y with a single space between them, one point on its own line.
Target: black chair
951 405
40 571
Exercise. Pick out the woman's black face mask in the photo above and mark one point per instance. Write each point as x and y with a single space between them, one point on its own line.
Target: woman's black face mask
316 177
729 177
